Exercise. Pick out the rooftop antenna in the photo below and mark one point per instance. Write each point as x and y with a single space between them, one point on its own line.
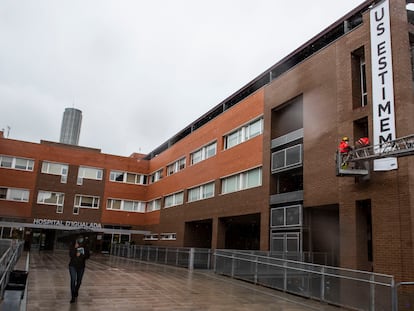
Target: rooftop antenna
8 131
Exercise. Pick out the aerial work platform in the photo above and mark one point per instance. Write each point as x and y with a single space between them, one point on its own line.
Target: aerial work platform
356 161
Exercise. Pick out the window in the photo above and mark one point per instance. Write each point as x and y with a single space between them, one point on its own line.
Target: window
176 167
14 194
359 79
56 169
168 236
85 201
89 173
245 180
154 177
288 158
203 153
154 205
129 178
289 181
51 198
243 134
125 205
16 163
174 199
151 237
286 216
284 242
201 192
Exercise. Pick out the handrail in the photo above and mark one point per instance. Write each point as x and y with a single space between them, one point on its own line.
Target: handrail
395 295
318 272
8 261
335 285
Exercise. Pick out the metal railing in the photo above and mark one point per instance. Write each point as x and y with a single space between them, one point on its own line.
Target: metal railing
320 258
396 302
191 258
353 289
342 287
10 252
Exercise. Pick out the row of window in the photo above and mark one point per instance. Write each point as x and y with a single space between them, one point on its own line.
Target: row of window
238 136
161 236
16 163
233 183
237 182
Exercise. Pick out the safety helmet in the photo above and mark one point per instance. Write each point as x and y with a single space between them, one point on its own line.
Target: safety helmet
345 138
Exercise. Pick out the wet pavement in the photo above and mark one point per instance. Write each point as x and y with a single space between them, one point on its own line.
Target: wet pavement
114 283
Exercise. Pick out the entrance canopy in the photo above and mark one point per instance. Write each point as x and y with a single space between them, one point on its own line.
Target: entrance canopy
59 225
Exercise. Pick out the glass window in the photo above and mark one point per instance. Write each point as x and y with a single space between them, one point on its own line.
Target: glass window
204 153
181 164
211 150
254 178
287 158
284 242
293 155
24 164
176 167
245 180
208 190
156 176
116 176
293 215
51 198
3 193
6 161
255 129
18 195
114 204
154 205
169 201
86 201
129 206
56 169
126 177
278 217
233 139
174 199
90 173
286 216
196 156
16 163
243 133
168 236
179 198
292 242
194 194
230 184
201 192
278 244
131 178
126 205
278 159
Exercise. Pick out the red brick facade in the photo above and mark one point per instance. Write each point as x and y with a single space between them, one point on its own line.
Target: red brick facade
315 99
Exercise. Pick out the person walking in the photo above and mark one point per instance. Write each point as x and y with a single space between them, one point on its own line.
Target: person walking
78 253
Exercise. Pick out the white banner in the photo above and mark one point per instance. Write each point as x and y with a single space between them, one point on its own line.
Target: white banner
382 83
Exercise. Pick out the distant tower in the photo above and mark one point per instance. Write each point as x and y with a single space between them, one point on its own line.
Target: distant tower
71 125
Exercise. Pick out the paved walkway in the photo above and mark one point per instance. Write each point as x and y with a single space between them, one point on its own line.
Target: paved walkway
112 283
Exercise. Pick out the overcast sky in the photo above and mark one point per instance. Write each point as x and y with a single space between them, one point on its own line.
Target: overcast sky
140 71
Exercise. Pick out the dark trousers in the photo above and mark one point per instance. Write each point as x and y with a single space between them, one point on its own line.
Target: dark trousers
76 275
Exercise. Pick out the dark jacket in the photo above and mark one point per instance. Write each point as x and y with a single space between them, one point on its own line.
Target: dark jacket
78 261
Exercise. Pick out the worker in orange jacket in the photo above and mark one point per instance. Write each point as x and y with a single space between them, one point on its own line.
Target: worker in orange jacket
362 142
344 146
344 149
